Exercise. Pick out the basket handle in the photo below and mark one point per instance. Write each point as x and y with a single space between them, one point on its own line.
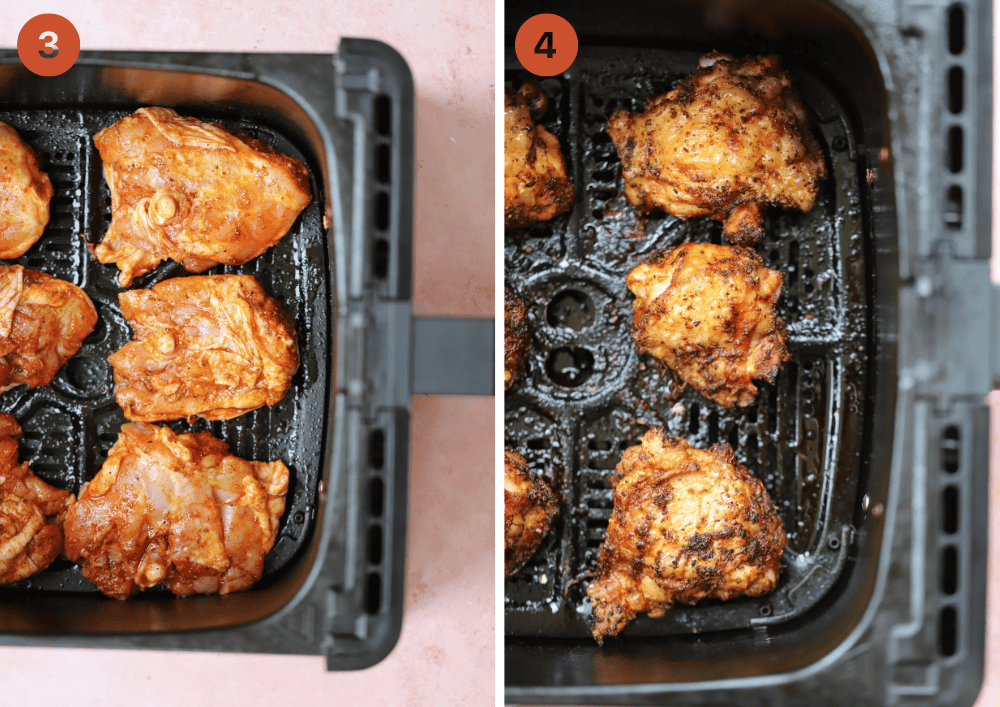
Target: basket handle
453 356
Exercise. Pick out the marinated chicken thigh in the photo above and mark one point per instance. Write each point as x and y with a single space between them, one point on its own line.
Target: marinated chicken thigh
688 524
729 140
528 509
707 312
43 322
535 184
192 192
176 509
213 346
25 191
515 338
31 512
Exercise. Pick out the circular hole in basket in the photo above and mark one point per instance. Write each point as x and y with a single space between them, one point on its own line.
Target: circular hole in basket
88 373
569 366
570 309
765 610
834 543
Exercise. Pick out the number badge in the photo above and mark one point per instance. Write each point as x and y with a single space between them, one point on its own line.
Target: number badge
48 45
546 45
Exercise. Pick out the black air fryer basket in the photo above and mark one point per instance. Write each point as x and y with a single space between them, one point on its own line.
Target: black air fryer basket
333 585
873 439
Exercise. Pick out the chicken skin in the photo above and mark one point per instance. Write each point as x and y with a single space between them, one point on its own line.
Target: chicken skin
43 322
731 139
515 339
528 509
25 191
535 184
213 346
688 524
31 512
177 509
707 312
192 192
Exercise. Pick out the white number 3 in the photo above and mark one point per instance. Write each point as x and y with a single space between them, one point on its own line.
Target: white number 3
50 46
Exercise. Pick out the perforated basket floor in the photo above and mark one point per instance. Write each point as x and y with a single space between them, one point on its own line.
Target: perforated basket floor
69 425
587 396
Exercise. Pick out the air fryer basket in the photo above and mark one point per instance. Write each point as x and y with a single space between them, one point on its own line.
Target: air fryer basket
800 436
333 584
873 439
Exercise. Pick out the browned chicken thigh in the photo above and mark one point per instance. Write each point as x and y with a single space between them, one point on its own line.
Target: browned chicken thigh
192 192
213 346
176 509
535 184
731 139
707 312
515 338
688 524
25 191
31 512
43 322
528 509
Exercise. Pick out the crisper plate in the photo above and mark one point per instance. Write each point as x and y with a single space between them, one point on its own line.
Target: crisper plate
70 424
587 395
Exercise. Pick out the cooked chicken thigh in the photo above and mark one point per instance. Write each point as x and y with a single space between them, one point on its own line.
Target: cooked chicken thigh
31 512
43 322
707 311
25 191
515 338
194 193
528 509
729 140
176 509
688 524
213 346
535 184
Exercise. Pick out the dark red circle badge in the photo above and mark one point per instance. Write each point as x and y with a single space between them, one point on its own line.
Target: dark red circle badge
546 45
48 45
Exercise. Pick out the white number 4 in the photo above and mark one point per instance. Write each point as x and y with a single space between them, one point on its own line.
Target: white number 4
50 46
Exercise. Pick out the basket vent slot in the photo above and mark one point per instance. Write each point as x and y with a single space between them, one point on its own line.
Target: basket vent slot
383 115
376 449
948 631
956 140
954 143
956 89
373 593
380 258
382 211
382 163
952 590
376 497
375 544
949 570
950 510
956 29
374 535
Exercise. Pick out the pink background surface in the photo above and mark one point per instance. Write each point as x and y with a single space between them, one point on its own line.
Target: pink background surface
446 652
